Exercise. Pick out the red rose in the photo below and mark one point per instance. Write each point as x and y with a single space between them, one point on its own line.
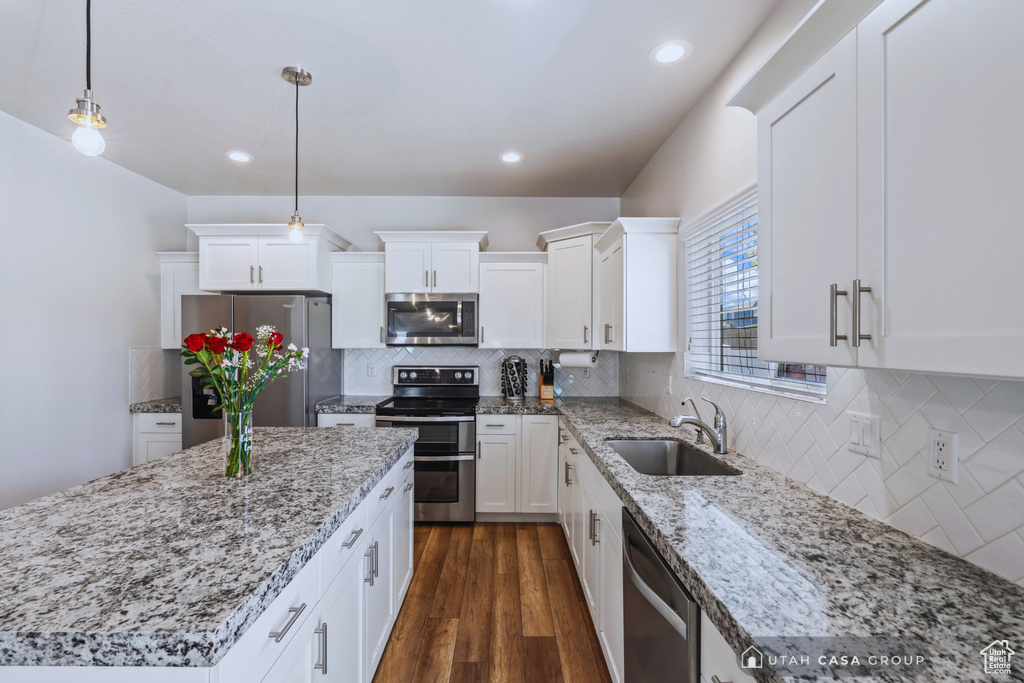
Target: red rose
242 342
276 338
216 344
195 342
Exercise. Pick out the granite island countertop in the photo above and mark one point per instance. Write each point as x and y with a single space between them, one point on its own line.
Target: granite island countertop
347 405
766 556
168 563
160 405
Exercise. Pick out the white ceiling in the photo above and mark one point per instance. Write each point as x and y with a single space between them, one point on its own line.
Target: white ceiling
409 97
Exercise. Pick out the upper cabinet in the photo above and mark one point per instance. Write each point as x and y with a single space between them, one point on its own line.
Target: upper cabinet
445 262
512 300
638 285
887 176
240 257
357 300
572 296
179 275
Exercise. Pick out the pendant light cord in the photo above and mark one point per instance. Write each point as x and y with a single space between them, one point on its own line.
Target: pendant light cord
296 142
88 44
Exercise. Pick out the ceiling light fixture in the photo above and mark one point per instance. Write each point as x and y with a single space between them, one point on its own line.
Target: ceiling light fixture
670 52
240 157
294 74
511 157
86 114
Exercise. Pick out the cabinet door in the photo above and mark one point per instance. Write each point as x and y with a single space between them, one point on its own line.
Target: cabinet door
407 267
941 161
807 212
512 305
570 293
228 263
404 537
538 488
496 473
590 576
341 610
295 665
579 509
176 279
613 295
609 600
455 267
379 605
357 305
286 265
563 490
155 446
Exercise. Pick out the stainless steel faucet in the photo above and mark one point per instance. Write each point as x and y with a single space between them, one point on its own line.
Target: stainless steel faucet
718 434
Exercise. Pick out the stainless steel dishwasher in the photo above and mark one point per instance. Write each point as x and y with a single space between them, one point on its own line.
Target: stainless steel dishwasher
661 620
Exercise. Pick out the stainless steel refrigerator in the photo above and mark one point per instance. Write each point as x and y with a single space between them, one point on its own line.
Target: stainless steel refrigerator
288 402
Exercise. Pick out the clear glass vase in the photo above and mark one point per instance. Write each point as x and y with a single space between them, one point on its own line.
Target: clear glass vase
238 444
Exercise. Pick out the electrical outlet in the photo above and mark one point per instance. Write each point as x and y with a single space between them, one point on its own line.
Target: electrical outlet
371 370
865 437
585 373
943 460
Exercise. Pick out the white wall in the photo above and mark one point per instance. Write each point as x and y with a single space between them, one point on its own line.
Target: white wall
513 223
80 284
712 155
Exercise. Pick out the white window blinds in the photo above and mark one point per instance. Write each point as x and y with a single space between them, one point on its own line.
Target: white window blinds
721 294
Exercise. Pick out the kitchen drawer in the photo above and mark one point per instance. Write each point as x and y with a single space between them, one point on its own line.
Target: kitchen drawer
495 424
382 494
256 650
159 423
346 420
403 469
343 545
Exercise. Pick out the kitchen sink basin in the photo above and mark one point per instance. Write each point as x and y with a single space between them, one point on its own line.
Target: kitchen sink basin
664 457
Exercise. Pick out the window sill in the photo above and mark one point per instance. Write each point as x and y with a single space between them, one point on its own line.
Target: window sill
760 389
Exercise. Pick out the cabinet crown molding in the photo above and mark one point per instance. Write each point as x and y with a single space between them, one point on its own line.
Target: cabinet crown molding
356 257
650 226
267 230
570 231
514 257
817 32
178 256
479 236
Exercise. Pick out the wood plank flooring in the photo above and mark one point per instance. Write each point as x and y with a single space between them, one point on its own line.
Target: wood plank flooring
493 603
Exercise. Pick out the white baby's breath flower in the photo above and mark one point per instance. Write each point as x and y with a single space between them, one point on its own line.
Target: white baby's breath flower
305 352
293 347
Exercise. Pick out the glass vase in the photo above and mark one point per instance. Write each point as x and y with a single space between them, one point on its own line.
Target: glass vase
238 442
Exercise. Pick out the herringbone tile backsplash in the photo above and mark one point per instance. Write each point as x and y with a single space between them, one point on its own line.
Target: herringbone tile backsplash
980 519
603 380
153 373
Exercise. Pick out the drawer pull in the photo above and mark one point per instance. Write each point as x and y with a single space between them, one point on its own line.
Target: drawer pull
166 424
376 560
345 424
408 465
369 555
352 541
387 493
716 679
278 636
408 487
497 425
573 451
321 664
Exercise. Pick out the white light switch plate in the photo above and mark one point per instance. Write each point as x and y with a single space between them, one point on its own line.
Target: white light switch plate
865 437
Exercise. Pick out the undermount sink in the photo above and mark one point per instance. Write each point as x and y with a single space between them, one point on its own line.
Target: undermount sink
664 457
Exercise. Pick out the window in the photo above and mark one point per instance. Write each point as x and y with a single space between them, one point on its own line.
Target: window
721 305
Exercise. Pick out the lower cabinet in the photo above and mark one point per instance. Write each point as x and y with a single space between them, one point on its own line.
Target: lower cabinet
155 435
340 652
404 508
717 660
346 420
496 473
517 463
380 599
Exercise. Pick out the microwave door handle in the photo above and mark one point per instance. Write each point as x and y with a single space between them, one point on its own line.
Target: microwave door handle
458 318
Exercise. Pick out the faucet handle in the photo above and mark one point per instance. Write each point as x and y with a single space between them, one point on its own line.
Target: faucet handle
719 415
696 414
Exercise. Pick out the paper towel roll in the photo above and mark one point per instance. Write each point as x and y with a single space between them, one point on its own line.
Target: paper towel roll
578 359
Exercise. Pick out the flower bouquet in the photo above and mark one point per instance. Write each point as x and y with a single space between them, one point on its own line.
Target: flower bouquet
226 364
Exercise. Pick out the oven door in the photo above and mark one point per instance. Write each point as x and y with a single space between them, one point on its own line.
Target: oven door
430 319
439 436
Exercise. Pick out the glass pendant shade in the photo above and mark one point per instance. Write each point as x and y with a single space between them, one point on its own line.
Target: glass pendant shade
88 141
296 225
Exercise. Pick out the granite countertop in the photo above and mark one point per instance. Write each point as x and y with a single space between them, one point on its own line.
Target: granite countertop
766 556
160 405
340 405
531 405
168 563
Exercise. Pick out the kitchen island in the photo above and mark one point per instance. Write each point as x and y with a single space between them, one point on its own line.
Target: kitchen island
169 564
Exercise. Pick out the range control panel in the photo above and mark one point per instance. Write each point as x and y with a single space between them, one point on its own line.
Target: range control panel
408 375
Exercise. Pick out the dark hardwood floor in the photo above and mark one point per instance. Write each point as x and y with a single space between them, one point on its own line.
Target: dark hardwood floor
493 602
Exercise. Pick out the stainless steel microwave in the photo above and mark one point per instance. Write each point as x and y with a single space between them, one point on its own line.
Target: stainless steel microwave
431 319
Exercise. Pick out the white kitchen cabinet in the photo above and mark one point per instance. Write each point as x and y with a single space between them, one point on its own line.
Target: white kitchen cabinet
512 303
243 257
570 298
717 659
346 420
941 161
179 275
296 662
420 262
538 486
155 435
379 606
590 574
610 630
638 285
580 524
565 466
357 301
807 213
496 473
341 609
404 507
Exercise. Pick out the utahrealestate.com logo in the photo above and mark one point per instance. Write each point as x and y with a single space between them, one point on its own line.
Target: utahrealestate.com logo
997 657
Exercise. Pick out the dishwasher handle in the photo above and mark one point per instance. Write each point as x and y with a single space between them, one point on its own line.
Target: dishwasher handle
664 609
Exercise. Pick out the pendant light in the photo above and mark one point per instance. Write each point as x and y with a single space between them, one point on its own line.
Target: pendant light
294 74
86 114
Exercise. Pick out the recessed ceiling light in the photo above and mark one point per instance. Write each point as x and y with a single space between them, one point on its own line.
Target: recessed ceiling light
511 157
240 157
670 51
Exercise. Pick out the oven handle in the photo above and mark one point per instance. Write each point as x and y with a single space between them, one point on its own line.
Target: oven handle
410 420
443 458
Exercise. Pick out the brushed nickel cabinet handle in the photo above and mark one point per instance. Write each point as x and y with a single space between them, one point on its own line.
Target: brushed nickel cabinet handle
426 278
261 275
716 679
858 289
833 293
567 482
594 539
408 487
497 425
355 537
481 334
381 334
435 278
345 424
166 424
278 636
321 664
369 555
376 559
573 450
586 331
387 493
408 465
479 450
252 274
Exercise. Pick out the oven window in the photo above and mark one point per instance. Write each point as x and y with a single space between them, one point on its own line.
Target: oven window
423 319
437 482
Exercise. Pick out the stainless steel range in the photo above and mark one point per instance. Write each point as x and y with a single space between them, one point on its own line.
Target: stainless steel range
441 403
